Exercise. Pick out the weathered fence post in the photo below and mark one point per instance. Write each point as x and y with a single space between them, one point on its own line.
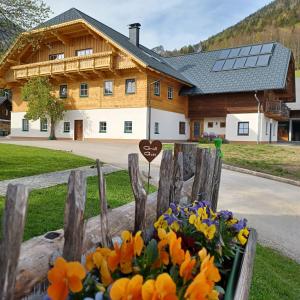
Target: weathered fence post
74 216
189 154
139 192
177 180
207 176
165 182
105 235
12 235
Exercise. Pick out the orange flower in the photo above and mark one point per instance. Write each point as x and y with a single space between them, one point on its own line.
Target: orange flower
199 289
210 270
138 243
202 254
124 288
186 267
163 288
176 253
65 276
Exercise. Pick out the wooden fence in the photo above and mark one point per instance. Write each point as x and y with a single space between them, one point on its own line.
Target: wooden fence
25 266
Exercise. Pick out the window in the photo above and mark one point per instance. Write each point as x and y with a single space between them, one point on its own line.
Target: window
156 128
84 90
130 86
44 125
25 125
210 124
56 56
170 92
102 127
222 124
181 127
66 126
243 128
128 127
157 88
108 87
267 127
63 91
83 52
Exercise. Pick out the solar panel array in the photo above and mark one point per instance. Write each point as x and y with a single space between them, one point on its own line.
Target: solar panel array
244 57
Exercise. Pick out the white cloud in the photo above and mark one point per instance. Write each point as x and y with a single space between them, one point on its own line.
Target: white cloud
171 23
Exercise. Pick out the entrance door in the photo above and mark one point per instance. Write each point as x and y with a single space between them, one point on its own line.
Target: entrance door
283 131
296 130
78 130
196 129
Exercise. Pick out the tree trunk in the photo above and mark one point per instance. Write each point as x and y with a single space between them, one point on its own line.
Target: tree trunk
52 130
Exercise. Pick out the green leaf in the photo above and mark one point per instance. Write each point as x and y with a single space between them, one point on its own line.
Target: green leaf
151 252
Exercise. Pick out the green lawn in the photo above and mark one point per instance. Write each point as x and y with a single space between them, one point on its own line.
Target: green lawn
46 206
275 277
281 161
18 161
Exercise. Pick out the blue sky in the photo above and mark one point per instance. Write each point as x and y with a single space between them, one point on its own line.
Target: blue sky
171 23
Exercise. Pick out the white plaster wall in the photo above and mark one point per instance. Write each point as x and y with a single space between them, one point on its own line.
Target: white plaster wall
232 127
114 117
168 125
216 129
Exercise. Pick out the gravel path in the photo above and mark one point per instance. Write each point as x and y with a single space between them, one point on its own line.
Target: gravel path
51 179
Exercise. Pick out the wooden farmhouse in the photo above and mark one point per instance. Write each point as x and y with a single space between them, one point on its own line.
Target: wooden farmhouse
112 85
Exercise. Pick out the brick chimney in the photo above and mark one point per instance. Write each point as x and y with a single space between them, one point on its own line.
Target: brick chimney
134 33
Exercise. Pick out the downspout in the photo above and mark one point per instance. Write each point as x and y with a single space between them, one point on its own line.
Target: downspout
258 118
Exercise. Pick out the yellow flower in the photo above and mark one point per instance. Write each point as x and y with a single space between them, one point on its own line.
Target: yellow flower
232 221
175 226
161 223
211 230
202 213
65 276
163 288
192 219
186 267
124 288
242 235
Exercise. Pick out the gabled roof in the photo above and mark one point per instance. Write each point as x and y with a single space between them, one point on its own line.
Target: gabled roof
150 58
197 68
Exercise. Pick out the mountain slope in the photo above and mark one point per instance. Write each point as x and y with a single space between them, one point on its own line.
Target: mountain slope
277 21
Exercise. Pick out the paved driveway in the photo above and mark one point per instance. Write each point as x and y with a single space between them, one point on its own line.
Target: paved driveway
272 207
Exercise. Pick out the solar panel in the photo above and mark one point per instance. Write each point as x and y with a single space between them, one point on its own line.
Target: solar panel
234 52
218 65
224 54
251 61
263 60
240 62
245 51
228 64
267 48
255 49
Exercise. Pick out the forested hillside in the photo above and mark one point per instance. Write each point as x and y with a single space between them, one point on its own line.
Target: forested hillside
277 21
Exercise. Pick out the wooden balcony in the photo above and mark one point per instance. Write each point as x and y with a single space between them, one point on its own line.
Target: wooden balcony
98 61
277 110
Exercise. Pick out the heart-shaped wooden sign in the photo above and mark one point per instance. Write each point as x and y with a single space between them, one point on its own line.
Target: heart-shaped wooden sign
150 149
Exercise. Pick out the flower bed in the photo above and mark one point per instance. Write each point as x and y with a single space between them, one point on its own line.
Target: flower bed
190 255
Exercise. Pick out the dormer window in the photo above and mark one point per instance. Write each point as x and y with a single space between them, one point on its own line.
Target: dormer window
56 56
83 52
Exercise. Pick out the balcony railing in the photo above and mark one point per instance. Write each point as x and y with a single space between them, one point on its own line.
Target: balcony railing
277 110
96 61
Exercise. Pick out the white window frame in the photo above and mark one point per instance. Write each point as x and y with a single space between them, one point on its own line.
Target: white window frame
156 127
128 126
180 123
108 92
86 90
170 93
83 52
102 127
67 130
43 125
56 56
156 86
25 125
130 86
61 95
